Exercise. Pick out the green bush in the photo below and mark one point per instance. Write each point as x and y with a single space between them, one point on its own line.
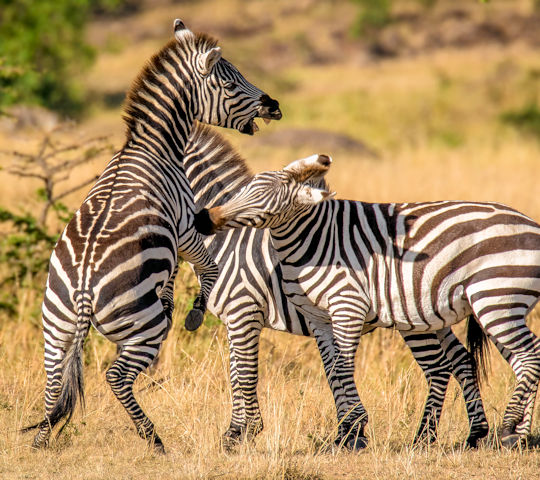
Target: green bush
43 49
526 119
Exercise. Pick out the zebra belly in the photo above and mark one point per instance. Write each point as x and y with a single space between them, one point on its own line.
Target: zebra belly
425 312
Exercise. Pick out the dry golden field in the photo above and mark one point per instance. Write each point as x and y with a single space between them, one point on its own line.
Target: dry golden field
433 119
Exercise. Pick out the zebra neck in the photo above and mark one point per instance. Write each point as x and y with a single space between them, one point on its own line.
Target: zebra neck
166 140
308 227
159 113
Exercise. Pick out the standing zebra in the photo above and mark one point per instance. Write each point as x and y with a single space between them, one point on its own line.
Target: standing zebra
249 296
115 262
416 267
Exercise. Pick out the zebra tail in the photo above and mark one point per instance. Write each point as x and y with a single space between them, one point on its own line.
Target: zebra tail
478 345
72 389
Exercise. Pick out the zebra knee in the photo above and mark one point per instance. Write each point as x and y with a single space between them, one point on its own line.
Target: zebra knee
114 378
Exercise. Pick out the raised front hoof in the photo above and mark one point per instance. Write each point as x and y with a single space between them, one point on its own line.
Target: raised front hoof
194 320
475 437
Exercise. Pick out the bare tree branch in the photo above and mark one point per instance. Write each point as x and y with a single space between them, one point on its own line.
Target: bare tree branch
65 193
50 166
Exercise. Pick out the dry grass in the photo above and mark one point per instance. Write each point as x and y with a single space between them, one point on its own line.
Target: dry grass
434 120
188 398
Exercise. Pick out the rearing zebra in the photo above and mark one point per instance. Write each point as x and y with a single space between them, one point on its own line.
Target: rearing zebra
249 296
115 262
416 267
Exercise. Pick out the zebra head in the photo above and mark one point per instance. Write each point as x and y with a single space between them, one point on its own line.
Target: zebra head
271 199
225 97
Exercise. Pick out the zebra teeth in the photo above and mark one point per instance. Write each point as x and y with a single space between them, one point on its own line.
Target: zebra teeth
267 120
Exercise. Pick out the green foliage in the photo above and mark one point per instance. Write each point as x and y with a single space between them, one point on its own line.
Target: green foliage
43 49
526 119
373 15
376 14
24 254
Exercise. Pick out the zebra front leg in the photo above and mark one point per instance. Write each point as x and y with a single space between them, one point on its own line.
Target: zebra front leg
462 369
167 299
133 359
206 269
431 358
246 419
352 416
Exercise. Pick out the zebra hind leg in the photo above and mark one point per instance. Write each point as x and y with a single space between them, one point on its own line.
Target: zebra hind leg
464 372
132 360
512 334
52 394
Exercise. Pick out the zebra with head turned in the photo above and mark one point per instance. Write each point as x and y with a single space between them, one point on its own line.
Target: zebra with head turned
416 267
249 295
115 262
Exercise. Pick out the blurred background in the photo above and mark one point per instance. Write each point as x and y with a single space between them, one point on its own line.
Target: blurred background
414 99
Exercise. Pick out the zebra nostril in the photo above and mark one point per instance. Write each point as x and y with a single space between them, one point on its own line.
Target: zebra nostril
269 102
325 160
269 108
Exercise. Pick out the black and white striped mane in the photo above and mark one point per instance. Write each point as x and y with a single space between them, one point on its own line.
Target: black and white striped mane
151 73
216 171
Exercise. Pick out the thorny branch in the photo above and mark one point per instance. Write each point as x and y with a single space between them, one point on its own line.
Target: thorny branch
50 166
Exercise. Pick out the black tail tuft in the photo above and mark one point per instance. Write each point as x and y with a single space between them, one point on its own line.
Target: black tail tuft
72 390
72 382
478 345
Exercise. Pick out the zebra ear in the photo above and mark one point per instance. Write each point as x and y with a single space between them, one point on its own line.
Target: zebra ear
315 166
310 195
209 59
180 30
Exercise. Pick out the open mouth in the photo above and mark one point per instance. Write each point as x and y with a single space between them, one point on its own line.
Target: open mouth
251 127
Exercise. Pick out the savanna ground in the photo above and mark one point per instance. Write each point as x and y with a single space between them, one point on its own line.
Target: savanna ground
424 122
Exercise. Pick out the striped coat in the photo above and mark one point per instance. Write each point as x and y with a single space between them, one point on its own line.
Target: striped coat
249 295
416 267
115 263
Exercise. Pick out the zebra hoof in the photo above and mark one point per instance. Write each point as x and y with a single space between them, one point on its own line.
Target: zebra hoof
231 441
352 443
475 437
425 438
511 441
194 320
159 449
357 444
40 445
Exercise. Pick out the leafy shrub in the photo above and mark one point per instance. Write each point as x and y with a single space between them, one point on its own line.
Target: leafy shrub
526 119
43 49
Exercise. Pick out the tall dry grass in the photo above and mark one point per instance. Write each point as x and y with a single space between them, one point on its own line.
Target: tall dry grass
188 398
